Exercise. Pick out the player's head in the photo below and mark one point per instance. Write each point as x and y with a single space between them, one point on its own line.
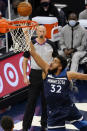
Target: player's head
41 31
59 63
7 123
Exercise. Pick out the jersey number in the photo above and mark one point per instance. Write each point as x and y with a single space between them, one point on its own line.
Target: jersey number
57 89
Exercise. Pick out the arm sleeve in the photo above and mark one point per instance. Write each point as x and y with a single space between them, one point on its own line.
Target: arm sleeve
83 43
62 45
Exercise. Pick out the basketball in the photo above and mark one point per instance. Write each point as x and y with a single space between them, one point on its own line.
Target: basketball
24 9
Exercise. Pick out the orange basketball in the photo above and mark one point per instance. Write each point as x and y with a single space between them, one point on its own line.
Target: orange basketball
24 9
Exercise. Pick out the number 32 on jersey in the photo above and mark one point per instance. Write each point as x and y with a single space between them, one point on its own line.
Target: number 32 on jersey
55 88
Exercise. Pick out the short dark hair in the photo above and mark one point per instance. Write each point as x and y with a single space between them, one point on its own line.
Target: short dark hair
7 123
63 61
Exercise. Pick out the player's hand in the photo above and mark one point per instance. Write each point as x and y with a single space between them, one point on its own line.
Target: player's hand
26 81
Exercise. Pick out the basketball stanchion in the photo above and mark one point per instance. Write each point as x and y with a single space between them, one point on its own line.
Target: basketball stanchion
16 29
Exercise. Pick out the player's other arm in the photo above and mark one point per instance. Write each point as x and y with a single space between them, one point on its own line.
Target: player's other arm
75 75
38 59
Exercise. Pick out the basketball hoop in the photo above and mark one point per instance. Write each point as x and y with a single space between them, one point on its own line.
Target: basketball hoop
17 29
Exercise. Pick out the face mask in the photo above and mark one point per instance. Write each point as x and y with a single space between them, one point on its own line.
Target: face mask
72 22
44 4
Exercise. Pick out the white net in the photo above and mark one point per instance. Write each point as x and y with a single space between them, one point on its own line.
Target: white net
20 42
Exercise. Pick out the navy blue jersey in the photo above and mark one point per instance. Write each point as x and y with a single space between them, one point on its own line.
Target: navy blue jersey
57 89
57 95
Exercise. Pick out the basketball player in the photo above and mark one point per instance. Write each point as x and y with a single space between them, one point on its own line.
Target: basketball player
47 51
60 107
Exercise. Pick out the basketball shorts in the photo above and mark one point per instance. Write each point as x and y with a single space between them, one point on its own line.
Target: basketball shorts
63 114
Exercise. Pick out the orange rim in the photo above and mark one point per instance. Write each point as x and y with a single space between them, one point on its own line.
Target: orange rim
31 23
5 25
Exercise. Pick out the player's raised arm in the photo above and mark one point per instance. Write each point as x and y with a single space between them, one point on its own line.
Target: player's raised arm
75 75
38 59
32 51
